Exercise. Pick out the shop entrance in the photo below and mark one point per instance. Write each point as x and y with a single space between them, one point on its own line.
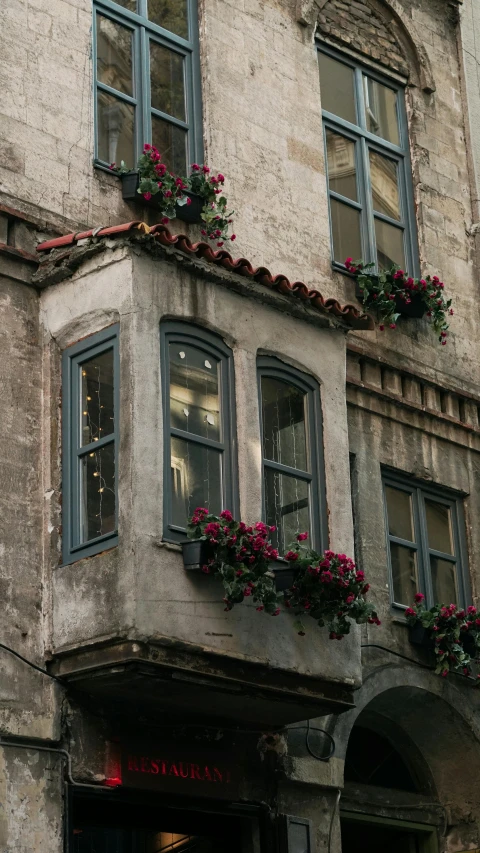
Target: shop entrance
145 824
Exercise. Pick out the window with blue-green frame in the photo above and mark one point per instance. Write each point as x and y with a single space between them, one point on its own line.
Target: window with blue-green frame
369 175
200 459
427 550
90 411
147 81
292 450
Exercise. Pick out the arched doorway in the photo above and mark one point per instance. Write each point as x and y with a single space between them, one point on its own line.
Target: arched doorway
383 775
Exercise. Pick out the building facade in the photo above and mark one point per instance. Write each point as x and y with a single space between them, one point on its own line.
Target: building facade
146 371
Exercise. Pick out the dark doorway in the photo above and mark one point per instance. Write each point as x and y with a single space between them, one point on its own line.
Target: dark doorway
363 837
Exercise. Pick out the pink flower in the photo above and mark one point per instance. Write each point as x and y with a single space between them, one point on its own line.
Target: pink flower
147 147
233 237
471 610
291 556
112 166
205 170
168 194
302 536
444 673
262 607
165 220
178 182
419 596
410 612
226 514
382 328
276 612
195 167
326 577
147 196
220 177
220 244
189 201
393 325
360 576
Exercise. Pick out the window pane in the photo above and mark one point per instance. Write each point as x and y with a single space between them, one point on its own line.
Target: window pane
400 519
114 55
404 573
98 415
194 391
336 88
283 410
384 178
98 492
443 581
346 231
381 109
115 130
167 81
286 506
342 176
170 14
196 480
439 527
171 141
389 245
131 5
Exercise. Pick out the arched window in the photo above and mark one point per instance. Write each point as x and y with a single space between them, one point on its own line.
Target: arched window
372 760
199 407
291 428
368 165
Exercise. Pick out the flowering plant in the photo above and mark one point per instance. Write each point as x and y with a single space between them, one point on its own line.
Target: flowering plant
171 190
450 630
393 289
239 555
329 588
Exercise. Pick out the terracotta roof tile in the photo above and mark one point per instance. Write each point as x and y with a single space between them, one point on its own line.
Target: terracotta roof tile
350 314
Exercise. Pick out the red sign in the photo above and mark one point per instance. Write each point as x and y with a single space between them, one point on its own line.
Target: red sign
193 772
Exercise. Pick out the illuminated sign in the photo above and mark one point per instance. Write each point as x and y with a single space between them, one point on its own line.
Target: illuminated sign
194 771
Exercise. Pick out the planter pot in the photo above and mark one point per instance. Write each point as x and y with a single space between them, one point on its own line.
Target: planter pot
468 644
416 308
195 554
419 636
186 212
284 576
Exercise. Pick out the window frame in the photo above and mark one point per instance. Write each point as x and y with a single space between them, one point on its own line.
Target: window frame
440 494
72 450
145 31
365 141
274 368
196 336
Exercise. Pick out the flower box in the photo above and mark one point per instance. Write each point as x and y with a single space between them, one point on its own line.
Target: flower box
416 308
285 575
196 553
186 212
468 644
420 636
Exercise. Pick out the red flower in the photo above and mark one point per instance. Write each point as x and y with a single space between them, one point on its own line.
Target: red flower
226 514
220 177
291 556
147 196
302 536
189 200
262 607
419 596
195 167
410 612
168 194
165 220
147 147
276 612
234 237
205 170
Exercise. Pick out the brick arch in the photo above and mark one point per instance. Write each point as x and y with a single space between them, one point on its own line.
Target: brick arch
379 29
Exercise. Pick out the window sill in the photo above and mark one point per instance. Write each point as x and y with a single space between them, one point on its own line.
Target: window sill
90 552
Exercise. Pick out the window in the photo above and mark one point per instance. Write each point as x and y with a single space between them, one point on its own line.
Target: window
368 165
199 406
426 543
90 445
147 81
291 428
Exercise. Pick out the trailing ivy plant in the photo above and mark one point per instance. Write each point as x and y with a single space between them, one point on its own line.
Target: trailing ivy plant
392 289
171 190
449 630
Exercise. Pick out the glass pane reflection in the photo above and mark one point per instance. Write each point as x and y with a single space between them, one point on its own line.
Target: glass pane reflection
170 14
439 526
389 245
342 176
195 479
336 88
286 506
384 178
399 507
381 110
346 231
404 573
166 81
171 141
283 414
98 415
114 55
444 581
115 130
